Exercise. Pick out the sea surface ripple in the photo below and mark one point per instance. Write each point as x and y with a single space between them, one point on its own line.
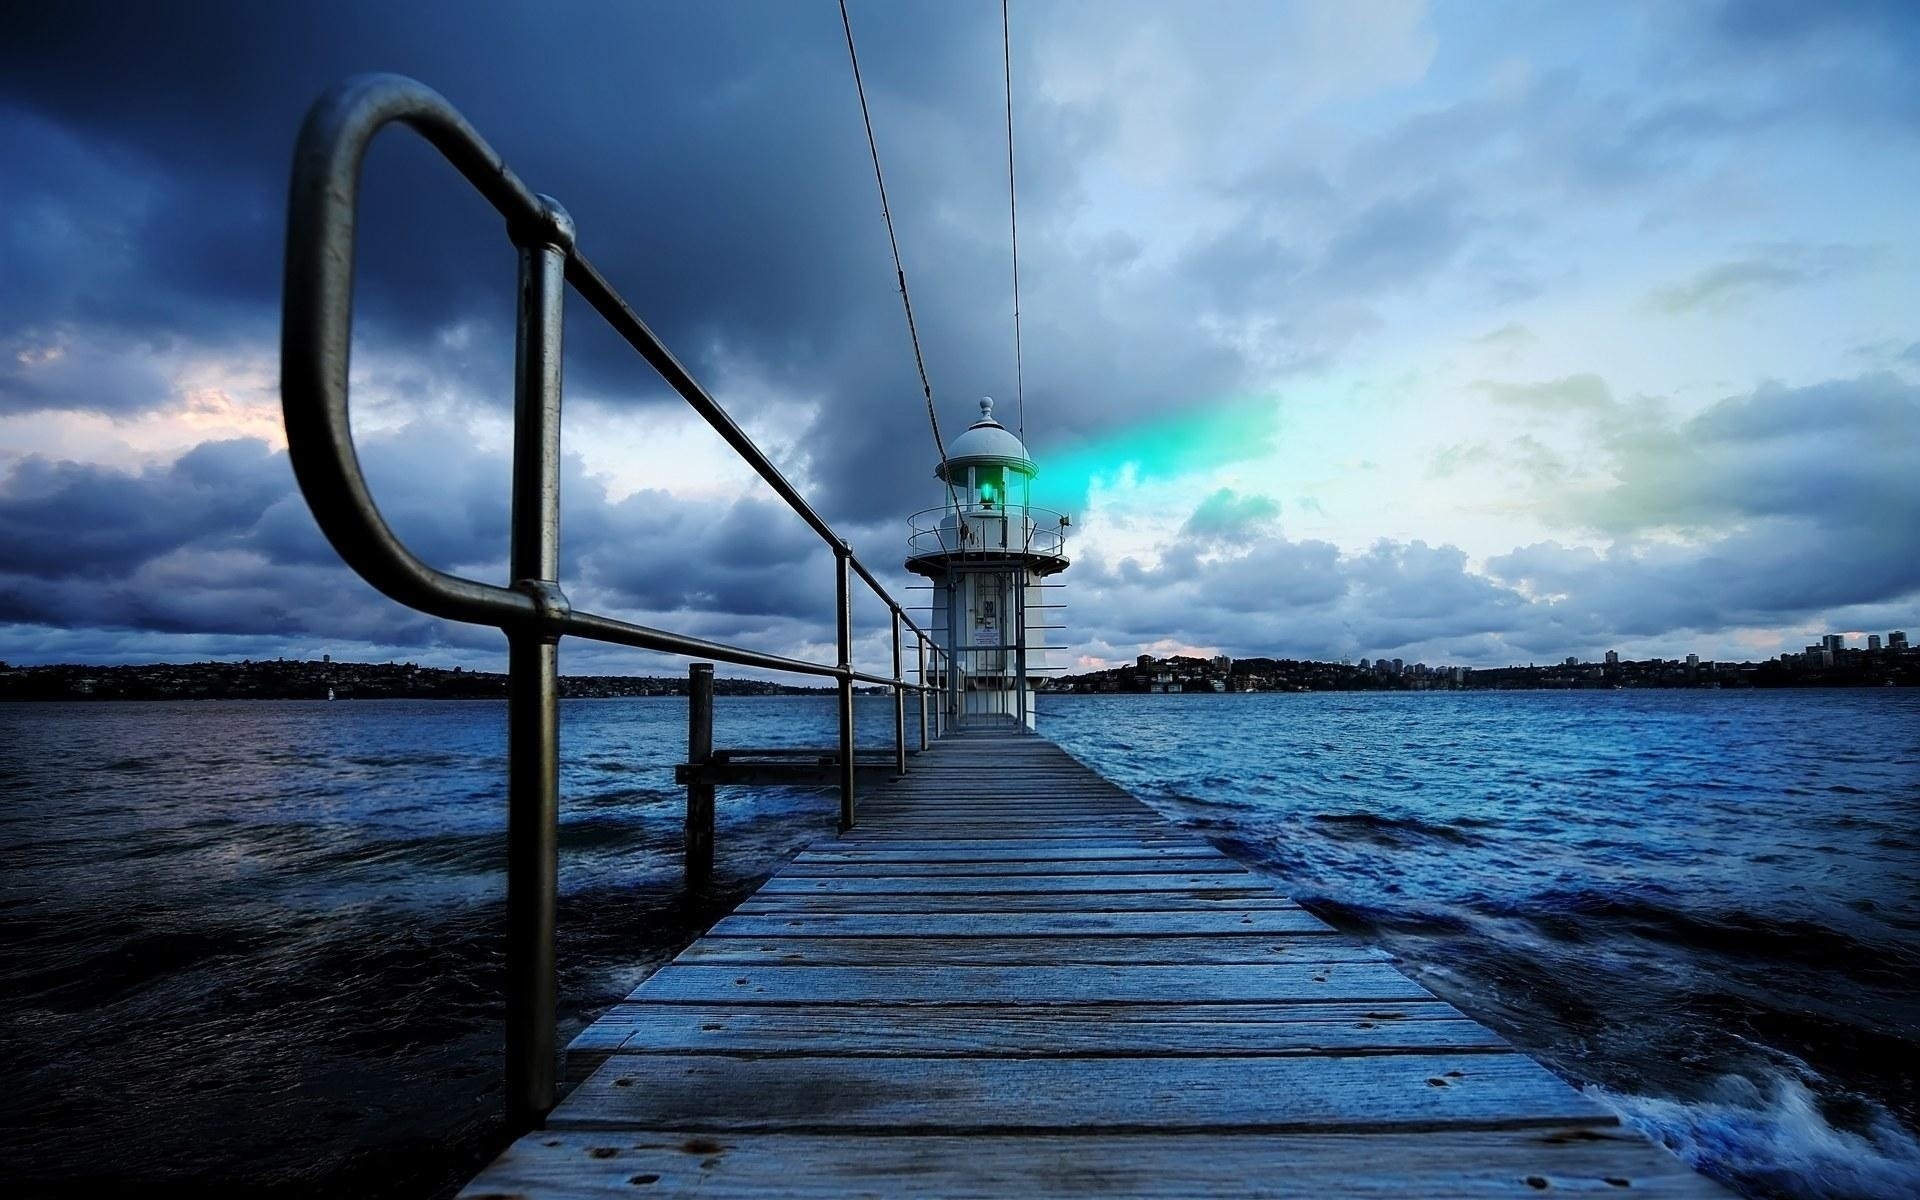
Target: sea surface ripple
1703 906
255 948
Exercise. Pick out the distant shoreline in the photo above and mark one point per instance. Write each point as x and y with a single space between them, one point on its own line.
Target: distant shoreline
1896 666
296 679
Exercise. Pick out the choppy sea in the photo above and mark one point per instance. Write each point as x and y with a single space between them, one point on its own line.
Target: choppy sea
254 948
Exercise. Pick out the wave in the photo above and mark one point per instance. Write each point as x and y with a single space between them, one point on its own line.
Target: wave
1359 917
1732 932
1776 1138
1390 831
76 974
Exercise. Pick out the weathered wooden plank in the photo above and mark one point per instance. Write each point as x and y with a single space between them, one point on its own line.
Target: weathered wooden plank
1028 984
1009 947
1036 950
934 809
1046 788
1055 827
842 884
906 1095
1046 796
1045 791
1576 1160
1027 1030
1242 900
1280 918
899 869
862 841
936 853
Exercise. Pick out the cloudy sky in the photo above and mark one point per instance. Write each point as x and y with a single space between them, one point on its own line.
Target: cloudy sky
1467 333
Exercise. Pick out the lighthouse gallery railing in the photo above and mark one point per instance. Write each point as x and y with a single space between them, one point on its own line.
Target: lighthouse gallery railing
316 332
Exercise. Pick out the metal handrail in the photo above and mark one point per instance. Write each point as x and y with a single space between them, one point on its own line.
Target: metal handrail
316 334
951 529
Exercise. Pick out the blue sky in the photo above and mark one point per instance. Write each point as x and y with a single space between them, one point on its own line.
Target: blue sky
1465 333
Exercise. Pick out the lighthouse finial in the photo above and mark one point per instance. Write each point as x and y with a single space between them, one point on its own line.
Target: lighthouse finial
986 408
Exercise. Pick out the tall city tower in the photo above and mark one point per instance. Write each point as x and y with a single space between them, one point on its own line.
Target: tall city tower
986 551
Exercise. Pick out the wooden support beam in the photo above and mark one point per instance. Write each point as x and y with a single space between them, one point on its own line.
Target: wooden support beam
699 833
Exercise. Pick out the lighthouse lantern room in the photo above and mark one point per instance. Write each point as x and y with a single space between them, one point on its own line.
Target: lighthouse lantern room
987 552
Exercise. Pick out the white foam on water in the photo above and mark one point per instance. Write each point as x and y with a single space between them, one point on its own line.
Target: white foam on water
1771 1136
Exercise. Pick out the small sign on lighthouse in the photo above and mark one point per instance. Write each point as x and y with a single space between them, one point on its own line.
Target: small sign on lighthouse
986 628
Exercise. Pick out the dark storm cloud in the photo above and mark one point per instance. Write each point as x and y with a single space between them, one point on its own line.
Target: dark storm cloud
1850 58
1790 23
1795 502
64 519
1398 238
1837 455
219 542
1798 500
713 159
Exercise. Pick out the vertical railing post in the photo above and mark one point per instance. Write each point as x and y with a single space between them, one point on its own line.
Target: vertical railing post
940 722
920 647
899 704
533 684
843 610
1020 643
699 835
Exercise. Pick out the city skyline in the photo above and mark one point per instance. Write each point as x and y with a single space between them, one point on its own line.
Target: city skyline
1893 640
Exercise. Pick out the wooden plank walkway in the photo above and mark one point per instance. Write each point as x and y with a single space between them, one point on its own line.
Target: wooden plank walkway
1016 979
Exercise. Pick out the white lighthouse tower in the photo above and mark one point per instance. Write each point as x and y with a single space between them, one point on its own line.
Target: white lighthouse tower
986 552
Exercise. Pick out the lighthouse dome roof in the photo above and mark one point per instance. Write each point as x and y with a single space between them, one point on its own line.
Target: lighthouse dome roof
987 442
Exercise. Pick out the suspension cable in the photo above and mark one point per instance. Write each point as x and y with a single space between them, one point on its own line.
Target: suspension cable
1013 221
899 271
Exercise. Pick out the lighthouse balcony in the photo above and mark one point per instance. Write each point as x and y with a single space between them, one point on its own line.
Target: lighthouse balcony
1038 536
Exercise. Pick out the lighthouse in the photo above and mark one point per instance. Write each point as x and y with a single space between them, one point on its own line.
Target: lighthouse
987 551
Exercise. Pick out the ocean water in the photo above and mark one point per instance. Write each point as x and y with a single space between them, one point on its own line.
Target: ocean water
1702 906
254 948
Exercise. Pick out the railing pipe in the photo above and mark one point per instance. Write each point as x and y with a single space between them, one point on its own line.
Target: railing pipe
899 706
316 335
843 614
885 596
533 685
920 645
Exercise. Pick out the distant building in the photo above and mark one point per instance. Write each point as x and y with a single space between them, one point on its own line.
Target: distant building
1221 664
1398 667
1366 664
1613 658
1897 640
1835 642
1572 661
1693 662
1145 660
1873 641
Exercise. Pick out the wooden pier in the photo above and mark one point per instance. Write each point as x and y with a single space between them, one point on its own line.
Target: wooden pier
1013 978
